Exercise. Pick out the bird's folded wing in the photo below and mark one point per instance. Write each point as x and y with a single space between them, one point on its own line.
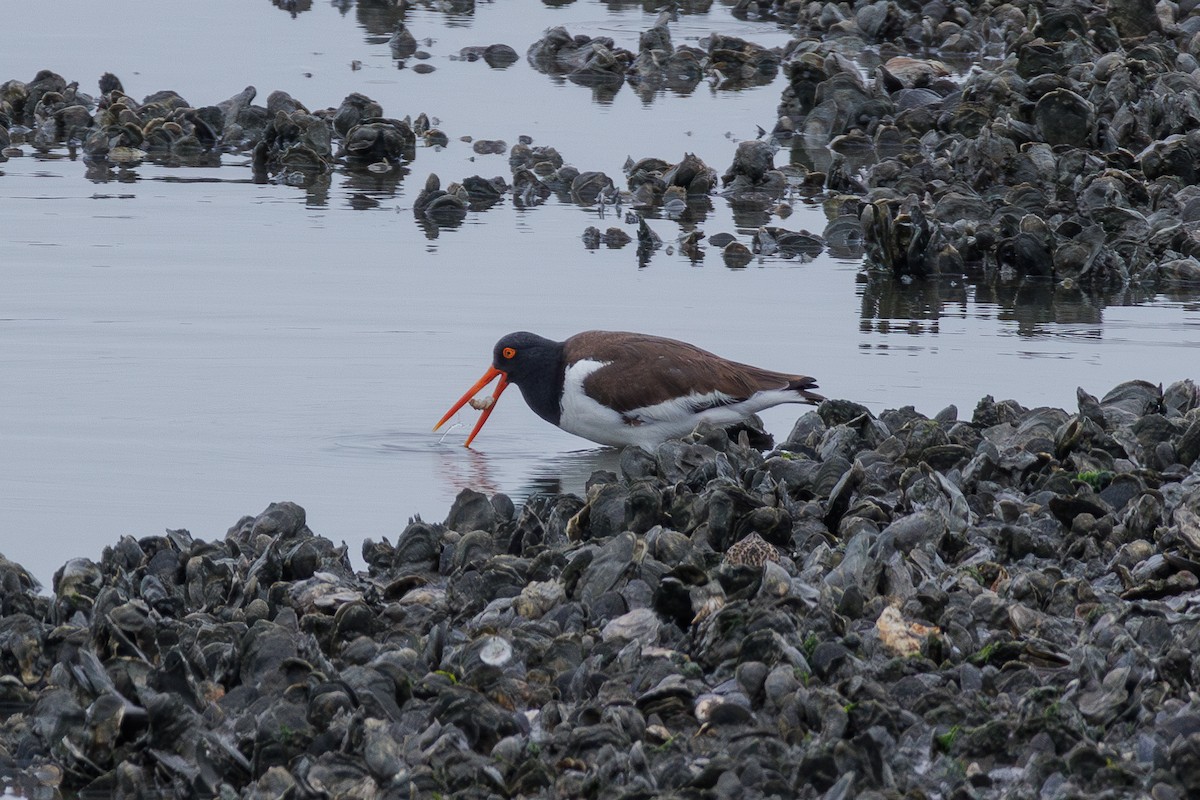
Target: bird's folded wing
674 373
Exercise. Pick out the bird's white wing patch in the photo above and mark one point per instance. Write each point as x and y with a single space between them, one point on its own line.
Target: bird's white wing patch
584 416
682 408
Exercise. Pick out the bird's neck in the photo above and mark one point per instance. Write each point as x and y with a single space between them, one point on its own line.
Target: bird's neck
543 394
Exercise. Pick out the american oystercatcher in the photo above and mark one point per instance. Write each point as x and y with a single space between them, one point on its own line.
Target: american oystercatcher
619 388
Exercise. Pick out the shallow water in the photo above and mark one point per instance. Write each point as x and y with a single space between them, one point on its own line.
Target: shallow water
180 346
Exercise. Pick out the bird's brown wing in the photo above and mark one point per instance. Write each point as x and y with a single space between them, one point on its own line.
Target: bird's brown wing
643 370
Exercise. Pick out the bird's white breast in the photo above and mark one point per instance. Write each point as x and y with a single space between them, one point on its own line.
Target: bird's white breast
583 416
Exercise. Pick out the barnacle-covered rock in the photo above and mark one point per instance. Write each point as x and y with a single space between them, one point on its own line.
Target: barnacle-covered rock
584 59
864 574
378 140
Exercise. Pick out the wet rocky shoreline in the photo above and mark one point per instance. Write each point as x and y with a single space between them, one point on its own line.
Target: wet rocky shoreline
1061 147
878 606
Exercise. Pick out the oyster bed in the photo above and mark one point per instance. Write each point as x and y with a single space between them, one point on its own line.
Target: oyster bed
880 606
1064 150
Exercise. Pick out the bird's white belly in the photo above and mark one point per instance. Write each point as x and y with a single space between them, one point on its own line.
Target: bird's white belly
647 427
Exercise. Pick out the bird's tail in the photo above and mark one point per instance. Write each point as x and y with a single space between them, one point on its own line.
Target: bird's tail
802 385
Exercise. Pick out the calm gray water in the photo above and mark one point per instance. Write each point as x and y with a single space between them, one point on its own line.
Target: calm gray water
180 346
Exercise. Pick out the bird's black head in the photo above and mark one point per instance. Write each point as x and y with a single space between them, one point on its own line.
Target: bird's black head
535 364
523 356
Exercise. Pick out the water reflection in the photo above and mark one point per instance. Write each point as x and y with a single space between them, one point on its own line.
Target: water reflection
649 6
750 211
293 7
1034 305
689 212
920 303
454 10
648 89
604 88
569 472
515 476
379 17
316 186
514 468
916 307
464 468
102 170
433 228
375 184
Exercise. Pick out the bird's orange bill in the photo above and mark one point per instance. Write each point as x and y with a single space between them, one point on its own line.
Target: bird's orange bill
487 378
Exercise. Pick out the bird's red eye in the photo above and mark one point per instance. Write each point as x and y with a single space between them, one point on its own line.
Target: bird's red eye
508 352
